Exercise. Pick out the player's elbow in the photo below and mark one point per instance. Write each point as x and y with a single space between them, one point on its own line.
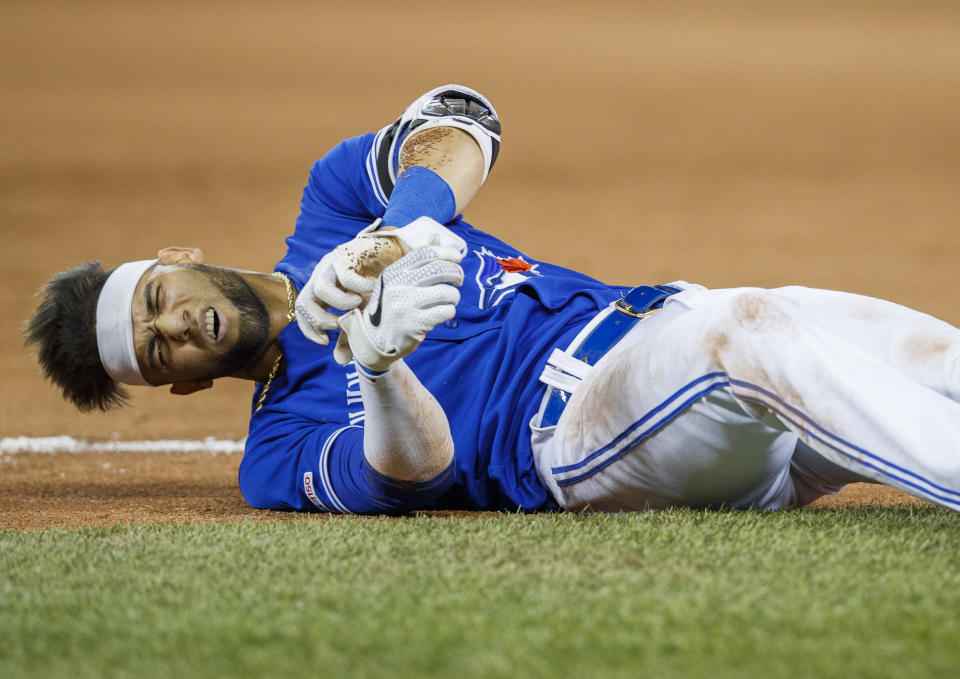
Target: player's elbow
260 488
260 498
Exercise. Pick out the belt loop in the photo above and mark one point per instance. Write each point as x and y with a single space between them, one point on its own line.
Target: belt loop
564 370
568 364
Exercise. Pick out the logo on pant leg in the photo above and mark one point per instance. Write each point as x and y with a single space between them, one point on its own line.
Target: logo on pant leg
498 277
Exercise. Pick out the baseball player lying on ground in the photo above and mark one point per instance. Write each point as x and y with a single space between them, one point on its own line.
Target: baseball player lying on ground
434 366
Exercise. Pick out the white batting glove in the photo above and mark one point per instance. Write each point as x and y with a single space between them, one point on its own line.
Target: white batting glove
345 275
412 295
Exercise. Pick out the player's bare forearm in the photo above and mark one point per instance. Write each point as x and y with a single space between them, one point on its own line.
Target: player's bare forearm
406 435
451 153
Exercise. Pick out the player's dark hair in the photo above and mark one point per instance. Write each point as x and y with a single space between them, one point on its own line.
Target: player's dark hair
63 330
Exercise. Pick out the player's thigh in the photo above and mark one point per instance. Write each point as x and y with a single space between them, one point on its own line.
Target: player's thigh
917 345
710 453
654 423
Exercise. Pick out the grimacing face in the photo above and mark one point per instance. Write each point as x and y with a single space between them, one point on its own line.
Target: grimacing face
193 322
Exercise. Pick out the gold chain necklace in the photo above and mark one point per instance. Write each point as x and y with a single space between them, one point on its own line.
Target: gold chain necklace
291 296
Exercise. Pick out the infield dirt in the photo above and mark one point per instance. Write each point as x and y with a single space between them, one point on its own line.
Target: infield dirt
723 143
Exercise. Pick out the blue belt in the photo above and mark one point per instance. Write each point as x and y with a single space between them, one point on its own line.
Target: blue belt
629 309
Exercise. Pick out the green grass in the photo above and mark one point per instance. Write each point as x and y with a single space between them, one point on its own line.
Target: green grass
871 592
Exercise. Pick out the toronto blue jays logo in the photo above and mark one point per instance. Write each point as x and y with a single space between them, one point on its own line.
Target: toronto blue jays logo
498 277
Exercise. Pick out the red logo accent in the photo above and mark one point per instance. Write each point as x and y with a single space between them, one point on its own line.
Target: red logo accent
514 265
311 493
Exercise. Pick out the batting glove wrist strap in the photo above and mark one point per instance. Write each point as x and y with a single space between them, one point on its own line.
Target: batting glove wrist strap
412 296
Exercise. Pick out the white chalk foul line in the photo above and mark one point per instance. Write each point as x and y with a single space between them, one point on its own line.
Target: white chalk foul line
68 444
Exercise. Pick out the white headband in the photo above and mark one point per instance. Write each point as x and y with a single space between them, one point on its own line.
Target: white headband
115 323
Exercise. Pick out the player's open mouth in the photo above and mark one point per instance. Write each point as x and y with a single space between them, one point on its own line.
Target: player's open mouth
214 325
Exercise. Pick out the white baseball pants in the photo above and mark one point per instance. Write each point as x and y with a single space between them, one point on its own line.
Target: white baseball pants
765 398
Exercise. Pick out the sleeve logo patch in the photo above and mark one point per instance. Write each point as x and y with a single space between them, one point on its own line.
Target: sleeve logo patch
311 493
498 277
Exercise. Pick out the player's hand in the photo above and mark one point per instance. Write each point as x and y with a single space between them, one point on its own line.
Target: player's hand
411 296
346 276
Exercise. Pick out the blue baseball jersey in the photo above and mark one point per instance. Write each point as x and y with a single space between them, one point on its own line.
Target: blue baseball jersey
304 450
